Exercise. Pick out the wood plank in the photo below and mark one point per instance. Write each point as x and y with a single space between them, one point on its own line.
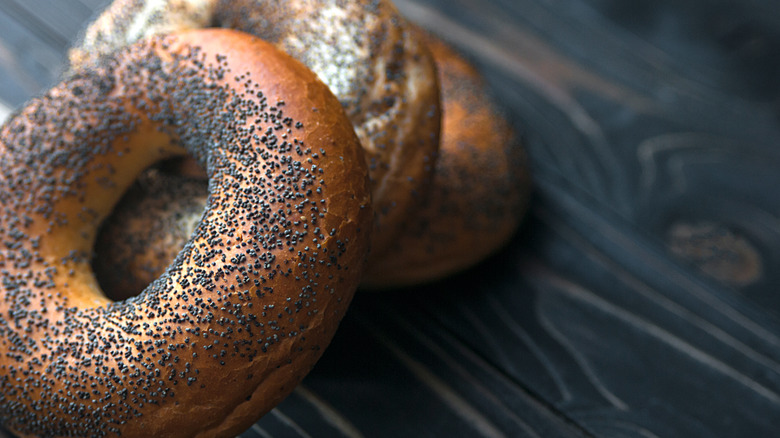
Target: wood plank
27 63
639 298
34 37
375 363
57 21
682 149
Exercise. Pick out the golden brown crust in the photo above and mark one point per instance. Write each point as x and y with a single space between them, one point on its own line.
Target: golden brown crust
363 49
248 305
480 188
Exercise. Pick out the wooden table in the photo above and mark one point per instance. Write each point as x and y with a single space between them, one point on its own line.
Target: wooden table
640 298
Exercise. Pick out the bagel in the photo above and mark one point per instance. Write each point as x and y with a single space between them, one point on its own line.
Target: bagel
470 214
480 188
251 301
363 49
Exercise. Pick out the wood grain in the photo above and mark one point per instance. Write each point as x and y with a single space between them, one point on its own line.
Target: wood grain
640 297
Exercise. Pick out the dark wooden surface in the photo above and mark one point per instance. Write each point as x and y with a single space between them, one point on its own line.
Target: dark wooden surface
641 297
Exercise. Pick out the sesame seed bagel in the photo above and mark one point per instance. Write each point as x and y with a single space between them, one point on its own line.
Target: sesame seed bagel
250 302
477 199
363 49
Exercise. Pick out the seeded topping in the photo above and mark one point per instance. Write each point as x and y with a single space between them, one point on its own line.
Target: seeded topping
364 50
268 263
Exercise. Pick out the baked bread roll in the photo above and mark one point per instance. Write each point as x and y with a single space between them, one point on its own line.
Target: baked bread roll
254 296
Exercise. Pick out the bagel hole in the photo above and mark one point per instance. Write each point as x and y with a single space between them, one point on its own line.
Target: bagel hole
149 226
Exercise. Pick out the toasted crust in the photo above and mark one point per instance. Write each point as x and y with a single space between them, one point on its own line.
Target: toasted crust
249 304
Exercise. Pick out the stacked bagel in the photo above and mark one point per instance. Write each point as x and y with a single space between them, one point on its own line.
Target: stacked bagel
281 154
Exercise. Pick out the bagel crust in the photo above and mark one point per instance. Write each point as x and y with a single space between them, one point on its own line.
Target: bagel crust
480 189
249 304
364 50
